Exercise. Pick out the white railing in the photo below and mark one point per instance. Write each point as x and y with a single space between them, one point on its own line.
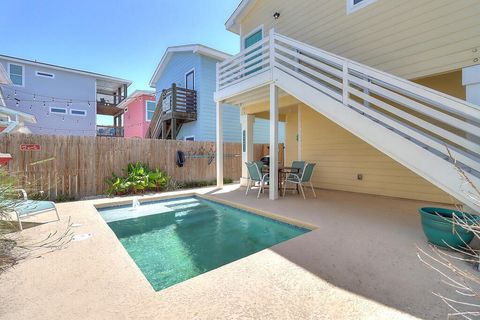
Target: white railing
425 116
248 63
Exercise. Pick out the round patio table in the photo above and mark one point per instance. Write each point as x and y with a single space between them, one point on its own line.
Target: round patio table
282 175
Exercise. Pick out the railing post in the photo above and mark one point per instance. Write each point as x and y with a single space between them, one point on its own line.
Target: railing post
174 98
345 83
271 48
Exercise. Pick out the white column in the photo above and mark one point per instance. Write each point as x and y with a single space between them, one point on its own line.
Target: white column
471 81
219 149
247 121
273 194
299 132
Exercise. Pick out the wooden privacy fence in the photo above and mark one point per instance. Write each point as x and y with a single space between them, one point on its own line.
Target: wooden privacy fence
78 166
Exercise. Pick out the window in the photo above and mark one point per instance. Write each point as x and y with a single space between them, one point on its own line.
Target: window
190 79
44 74
354 5
150 109
189 138
17 74
75 112
58 110
253 37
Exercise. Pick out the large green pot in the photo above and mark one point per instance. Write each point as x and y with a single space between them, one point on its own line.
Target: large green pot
437 224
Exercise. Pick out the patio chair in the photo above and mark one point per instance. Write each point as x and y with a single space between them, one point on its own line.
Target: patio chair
259 164
297 164
255 175
299 179
32 207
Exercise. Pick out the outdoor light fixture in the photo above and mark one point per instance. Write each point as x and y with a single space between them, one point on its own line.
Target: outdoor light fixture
276 15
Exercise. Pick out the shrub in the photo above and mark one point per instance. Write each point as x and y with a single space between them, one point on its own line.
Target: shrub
196 184
137 177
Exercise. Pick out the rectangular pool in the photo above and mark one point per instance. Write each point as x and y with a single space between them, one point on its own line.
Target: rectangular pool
177 239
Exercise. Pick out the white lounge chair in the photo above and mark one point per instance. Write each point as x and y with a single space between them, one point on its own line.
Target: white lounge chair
28 208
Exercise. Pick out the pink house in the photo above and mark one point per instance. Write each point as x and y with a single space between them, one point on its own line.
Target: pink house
138 110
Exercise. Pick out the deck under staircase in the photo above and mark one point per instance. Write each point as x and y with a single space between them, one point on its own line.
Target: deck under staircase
427 131
175 107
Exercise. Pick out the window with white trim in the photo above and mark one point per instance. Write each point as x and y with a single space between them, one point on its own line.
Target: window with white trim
44 74
354 5
150 106
56 110
190 80
17 74
76 112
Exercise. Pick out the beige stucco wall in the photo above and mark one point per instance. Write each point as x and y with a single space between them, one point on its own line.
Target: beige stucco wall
409 38
340 157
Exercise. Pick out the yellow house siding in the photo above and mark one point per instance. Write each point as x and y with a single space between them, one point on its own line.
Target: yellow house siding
449 83
291 131
409 38
341 156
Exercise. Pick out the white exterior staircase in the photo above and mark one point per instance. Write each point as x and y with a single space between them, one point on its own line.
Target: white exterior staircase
423 129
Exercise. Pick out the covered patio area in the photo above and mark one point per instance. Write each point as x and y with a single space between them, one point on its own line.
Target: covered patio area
359 263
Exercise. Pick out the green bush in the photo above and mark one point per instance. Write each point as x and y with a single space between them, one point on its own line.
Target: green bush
137 178
197 184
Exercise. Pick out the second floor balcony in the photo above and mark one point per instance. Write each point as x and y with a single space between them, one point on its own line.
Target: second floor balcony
176 106
110 131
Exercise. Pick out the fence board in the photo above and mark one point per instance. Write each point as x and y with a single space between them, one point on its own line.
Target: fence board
78 166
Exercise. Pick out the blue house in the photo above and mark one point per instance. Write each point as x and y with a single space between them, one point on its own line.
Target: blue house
184 83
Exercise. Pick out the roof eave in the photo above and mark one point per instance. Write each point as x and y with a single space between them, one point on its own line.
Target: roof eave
243 7
195 48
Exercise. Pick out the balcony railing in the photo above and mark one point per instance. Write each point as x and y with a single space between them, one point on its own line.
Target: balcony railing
109 99
246 64
110 131
174 103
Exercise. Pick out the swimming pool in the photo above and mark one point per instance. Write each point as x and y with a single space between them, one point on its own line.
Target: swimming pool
177 239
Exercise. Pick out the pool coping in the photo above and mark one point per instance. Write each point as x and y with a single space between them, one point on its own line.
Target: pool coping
262 213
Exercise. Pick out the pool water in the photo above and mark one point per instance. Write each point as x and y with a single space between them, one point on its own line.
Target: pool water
177 239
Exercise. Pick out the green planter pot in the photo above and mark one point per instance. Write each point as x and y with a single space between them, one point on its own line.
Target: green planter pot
437 224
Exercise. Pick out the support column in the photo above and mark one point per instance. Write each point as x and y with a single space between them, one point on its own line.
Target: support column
273 191
247 121
471 81
219 133
173 128
299 132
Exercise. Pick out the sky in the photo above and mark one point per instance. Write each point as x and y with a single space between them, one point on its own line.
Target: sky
122 38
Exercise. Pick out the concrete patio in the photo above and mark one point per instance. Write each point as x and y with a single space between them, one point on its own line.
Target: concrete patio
360 263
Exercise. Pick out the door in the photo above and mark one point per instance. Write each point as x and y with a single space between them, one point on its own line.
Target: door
249 41
190 80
